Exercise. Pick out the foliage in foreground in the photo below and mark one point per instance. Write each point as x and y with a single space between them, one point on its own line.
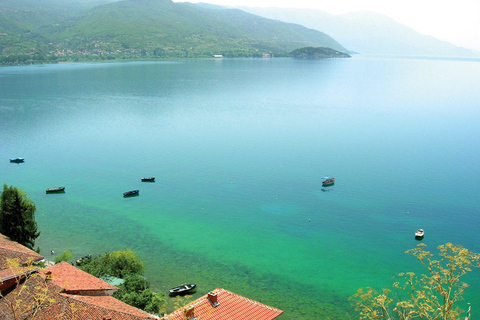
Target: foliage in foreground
17 217
35 295
429 296
135 290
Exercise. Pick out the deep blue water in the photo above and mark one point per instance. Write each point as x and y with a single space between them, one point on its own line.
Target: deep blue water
239 149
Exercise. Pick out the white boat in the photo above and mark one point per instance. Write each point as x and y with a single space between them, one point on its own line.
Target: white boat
419 233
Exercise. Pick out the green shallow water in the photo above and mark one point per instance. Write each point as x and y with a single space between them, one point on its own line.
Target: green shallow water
239 149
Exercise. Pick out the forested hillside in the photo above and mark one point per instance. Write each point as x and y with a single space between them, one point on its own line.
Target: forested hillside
76 30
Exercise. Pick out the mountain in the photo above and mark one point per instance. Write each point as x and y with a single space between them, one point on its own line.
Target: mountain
366 32
158 28
21 21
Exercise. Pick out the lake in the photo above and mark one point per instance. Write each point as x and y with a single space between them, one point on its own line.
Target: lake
239 148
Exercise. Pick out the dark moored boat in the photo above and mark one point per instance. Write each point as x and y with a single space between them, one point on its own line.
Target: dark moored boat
131 193
328 182
148 179
83 260
17 160
55 190
183 289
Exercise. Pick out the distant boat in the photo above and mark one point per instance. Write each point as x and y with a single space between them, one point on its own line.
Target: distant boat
419 234
55 190
84 259
328 182
183 289
17 160
148 179
131 193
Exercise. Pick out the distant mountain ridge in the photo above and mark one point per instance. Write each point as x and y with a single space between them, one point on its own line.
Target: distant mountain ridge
366 32
145 28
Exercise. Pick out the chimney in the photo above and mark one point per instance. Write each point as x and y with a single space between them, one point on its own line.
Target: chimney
48 275
213 298
190 313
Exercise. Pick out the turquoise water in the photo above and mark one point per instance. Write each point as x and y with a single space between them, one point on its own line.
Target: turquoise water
239 149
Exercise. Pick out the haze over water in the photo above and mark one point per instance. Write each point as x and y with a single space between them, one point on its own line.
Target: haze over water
239 149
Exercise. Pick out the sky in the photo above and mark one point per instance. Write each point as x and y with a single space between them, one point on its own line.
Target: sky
457 22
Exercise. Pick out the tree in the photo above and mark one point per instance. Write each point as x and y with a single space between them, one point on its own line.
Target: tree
136 292
429 296
66 256
17 217
117 263
125 262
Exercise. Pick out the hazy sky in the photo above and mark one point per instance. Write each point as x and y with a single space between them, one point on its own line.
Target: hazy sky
457 22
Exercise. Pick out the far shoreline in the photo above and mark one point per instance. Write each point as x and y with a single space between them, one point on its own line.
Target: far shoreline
285 56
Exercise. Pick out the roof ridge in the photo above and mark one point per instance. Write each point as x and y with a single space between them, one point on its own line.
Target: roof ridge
250 300
90 303
204 298
63 272
24 251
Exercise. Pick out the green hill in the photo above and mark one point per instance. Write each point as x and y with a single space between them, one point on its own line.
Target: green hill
145 28
22 23
317 53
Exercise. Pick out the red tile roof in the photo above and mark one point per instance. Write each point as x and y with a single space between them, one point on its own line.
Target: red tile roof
77 307
18 303
73 280
12 272
61 291
40 300
11 277
13 262
230 306
12 250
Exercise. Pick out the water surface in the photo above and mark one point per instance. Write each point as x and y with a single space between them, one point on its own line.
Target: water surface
239 149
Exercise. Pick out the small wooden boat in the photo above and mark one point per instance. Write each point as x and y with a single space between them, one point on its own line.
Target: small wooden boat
148 179
131 193
83 260
17 160
183 289
419 234
328 182
55 190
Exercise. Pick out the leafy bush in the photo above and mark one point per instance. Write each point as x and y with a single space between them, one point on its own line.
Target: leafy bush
135 289
136 292
117 263
66 256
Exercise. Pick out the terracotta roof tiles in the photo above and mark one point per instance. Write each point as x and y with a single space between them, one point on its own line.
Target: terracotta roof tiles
72 279
12 250
91 307
61 291
56 304
230 306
